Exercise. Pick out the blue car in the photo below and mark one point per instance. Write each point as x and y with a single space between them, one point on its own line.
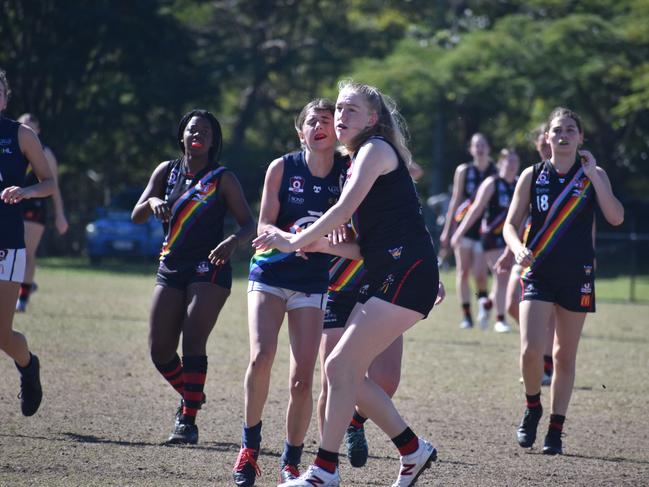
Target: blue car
113 234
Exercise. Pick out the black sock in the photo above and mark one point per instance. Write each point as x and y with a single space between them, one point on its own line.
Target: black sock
407 442
500 318
327 460
556 422
194 374
358 420
466 308
548 364
533 401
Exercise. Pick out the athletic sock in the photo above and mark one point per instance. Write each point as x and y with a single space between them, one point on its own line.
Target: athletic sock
548 364
488 303
407 442
533 401
556 422
25 291
292 455
326 460
358 421
194 373
500 318
173 373
466 309
251 436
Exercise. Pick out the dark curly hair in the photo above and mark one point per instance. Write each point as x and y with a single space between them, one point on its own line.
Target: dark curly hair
5 82
217 141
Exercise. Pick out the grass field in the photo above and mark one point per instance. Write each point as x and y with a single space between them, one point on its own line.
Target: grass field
106 411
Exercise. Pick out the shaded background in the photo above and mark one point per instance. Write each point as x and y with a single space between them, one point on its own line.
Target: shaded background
110 80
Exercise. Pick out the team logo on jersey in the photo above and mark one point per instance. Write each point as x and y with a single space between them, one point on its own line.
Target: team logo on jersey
173 177
317 189
588 270
202 191
3 254
4 142
363 290
202 268
587 288
296 184
387 283
585 300
543 179
396 252
578 188
529 288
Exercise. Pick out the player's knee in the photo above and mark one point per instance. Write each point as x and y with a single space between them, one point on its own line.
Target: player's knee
261 361
531 352
300 387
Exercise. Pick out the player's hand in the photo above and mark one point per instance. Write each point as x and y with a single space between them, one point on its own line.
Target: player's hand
441 293
159 208
455 240
273 240
524 256
339 235
61 224
14 194
223 251
504 263
588 163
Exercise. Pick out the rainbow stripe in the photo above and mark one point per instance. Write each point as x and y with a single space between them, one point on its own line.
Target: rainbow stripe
462 210
564 210
346 275
266 257
188 208
496 226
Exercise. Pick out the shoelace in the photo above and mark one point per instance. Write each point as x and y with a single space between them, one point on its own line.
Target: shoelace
247 456
292 469
356 439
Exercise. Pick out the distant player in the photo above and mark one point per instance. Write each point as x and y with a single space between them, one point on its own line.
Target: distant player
492 202
19 148
469 254
560 194
191 196
35 216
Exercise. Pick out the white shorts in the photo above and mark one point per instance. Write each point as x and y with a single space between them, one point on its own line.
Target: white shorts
294 299
473 245
12 265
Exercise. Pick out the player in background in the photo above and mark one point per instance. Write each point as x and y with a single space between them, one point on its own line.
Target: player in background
469 254
35 216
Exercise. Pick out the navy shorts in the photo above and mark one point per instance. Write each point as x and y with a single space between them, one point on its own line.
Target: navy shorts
572 294
35 210
407 277
339 307
179 275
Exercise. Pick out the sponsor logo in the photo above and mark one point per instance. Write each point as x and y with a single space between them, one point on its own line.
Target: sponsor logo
296 200
585 300
396 252
387 283
6 150
588 270
296 184
542 190
578 188
407 469
3 254
202 268
317 189
305 221
4 142
586 288
543 179
529 288
333 189
363 290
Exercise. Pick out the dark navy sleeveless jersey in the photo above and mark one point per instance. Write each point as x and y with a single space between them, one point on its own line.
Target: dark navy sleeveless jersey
473 177
303 199
390 216
197 212
562 210
13 165
493 219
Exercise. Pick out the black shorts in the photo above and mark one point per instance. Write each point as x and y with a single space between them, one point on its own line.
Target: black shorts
179 275
573 294
339 307
407 278
492 242
35 210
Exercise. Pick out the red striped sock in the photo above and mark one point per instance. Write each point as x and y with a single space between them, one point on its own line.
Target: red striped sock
194 374
173 373
407 442
326 460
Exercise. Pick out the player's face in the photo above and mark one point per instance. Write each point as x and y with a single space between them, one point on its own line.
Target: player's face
509 166
542 147
318 130
198 136
353 115
3 97
564 136
479 147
